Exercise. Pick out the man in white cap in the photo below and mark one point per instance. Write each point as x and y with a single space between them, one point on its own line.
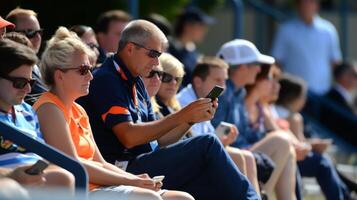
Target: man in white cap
244 60
3 25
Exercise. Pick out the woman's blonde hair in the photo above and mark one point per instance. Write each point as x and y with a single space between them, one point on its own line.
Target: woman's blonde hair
60 52
173 66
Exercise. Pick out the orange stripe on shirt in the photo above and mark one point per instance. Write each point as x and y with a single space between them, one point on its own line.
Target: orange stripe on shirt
116 110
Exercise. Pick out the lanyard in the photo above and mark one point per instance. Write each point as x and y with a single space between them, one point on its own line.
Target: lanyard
134 92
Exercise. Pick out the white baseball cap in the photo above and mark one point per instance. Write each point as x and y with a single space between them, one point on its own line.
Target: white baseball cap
238 51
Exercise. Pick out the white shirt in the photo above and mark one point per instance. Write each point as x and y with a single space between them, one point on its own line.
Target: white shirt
185 97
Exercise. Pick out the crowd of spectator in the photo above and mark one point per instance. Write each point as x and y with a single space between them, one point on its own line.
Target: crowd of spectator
127 100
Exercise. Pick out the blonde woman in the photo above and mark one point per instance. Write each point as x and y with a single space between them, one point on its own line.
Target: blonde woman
65 124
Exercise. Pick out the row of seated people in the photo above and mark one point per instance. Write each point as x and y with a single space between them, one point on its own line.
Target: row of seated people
65 68
129 137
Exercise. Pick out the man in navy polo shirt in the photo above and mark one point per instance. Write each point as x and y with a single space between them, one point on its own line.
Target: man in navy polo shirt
127 134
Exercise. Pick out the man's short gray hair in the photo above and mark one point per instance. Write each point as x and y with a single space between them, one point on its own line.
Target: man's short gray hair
140 31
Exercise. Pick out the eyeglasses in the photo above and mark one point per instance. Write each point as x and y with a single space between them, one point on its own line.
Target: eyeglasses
19 82
82 70
30 33
155 72
151 52
167 78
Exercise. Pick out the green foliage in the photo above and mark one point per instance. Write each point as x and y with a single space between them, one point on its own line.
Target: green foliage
209 5
167 8
54 13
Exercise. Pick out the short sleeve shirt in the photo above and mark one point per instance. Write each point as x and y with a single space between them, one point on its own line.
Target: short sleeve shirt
308 51
115 96
24 118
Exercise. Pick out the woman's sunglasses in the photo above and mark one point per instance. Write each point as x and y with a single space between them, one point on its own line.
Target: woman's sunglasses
19 82
30 33
167 78
82 70
155 72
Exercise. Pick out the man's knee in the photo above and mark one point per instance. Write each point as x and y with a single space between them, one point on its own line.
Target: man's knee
206 140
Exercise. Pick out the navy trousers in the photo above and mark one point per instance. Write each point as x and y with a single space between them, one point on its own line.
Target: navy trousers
319 166
199 166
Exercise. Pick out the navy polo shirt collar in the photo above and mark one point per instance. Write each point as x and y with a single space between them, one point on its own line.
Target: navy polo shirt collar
124 71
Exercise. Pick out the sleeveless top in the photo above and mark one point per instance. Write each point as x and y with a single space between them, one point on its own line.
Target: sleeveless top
78 123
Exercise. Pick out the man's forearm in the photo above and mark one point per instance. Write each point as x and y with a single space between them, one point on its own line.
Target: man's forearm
131 134
174 135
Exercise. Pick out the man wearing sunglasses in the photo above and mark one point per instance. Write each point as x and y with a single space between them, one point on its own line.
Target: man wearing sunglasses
128 135
15 82
26 23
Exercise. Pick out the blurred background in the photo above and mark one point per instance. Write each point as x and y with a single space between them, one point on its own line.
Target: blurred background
255 20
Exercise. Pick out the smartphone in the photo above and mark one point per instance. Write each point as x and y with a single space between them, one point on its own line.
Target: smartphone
37 168
215 92
223 128
158 179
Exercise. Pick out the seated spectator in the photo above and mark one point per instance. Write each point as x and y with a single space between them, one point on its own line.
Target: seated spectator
211 71
171 80
3 25
255 106
126 131
345 76
152 85
108 31
27 23
87 35
65 124
15 82
190 29
291 100
244 60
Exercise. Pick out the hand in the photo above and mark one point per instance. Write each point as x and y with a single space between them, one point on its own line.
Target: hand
144 181
22 177
198 111
320 145
302 149
231 137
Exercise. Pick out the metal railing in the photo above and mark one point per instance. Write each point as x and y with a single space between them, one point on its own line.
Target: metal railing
49 153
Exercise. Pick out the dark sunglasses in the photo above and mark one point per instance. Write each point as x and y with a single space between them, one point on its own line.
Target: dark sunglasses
155 72
19 82
151 52
167 78
82 70
30 33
